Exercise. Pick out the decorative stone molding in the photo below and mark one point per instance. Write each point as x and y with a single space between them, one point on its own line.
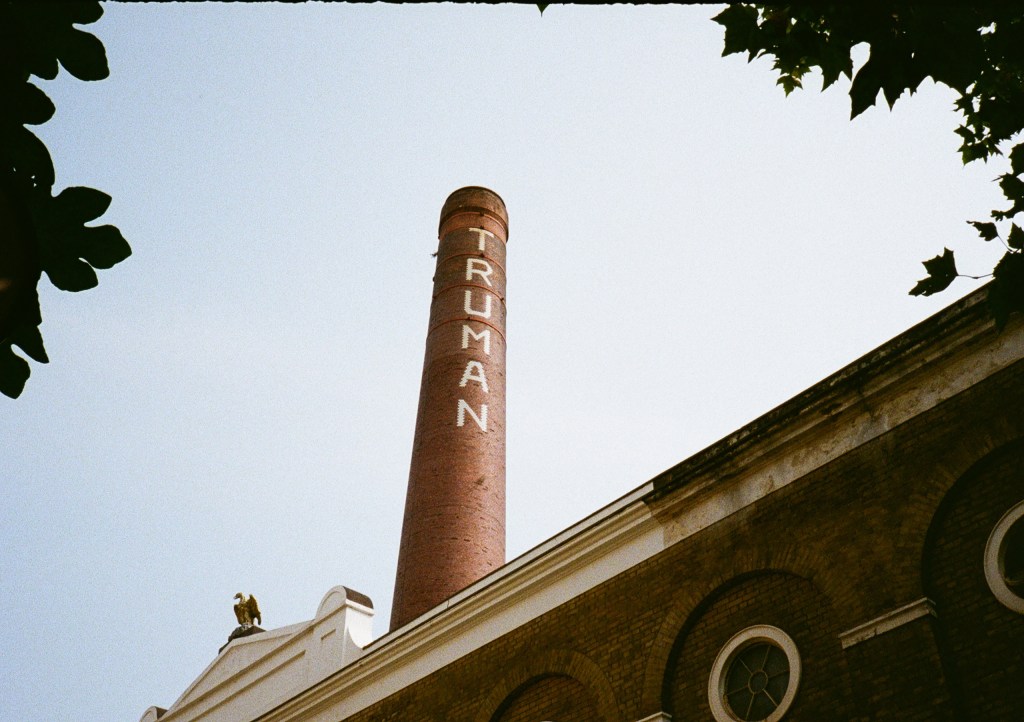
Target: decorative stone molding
995 552
888 622
741 641
152 714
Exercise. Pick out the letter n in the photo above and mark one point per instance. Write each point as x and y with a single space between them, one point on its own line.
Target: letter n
465 408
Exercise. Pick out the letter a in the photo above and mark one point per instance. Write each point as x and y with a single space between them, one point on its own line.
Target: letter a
474 372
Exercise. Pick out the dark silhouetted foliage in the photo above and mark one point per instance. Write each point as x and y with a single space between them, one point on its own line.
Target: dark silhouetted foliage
40 232
975 48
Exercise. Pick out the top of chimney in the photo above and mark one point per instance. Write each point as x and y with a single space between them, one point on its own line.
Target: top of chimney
474 199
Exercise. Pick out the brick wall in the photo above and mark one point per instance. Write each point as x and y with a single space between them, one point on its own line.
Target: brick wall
983 641
899 676
793 605
557 698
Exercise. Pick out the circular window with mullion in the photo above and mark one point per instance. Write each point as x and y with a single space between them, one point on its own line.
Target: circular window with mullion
755 676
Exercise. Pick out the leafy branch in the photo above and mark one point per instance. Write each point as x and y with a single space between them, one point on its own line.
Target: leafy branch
43 233
975 48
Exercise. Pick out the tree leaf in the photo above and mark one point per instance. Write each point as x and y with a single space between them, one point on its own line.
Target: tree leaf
27 337
1017 159
830 73
941 273
1006 293
31 157
1013 187
866 85
740 23
70 274
788 83
79 204
33 105
82 55
83 12
949 47
986 230
1016 238
900 71
14 372
104 246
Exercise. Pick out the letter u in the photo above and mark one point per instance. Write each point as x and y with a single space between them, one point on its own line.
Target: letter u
468 305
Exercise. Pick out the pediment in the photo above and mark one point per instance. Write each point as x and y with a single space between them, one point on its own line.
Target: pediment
238 656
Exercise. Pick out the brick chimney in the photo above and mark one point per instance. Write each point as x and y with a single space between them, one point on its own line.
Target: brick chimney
454 528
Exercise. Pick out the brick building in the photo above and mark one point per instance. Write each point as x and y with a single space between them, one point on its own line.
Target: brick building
855 554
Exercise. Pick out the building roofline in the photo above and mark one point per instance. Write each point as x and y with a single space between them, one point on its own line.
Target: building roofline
926 341
627 530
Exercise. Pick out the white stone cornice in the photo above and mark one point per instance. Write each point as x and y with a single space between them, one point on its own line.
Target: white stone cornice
887 622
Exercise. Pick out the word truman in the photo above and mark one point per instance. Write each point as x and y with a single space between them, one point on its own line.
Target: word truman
475 371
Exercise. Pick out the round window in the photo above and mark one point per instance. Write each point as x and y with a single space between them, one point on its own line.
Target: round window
1004 559
755 676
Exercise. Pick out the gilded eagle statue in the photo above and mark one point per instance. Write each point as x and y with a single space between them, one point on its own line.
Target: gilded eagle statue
247 611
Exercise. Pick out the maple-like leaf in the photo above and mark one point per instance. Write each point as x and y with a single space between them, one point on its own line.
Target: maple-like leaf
941 272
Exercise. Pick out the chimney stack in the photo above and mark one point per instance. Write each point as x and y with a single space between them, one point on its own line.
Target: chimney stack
454 528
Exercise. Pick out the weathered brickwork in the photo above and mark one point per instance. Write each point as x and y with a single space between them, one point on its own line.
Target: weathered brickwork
551 698
900 677
982 639
781 600
453 532
840 547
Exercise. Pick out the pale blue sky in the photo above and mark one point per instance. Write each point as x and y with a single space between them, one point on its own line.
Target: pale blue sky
232 408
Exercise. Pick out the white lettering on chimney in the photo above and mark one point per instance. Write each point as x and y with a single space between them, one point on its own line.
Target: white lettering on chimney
472 270
474 372
465 408
468 305
484 336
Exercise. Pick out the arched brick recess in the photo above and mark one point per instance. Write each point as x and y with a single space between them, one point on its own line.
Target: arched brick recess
890 489
787 601
554 698
980 639
748 562
936 479
533 668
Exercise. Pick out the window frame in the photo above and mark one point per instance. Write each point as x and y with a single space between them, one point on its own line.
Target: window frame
723 662
995 552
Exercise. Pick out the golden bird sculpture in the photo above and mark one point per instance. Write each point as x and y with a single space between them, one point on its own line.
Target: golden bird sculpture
247 611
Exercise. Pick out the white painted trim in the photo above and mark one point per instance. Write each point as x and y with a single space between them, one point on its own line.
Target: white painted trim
888 622
657 717
740 641
995 552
